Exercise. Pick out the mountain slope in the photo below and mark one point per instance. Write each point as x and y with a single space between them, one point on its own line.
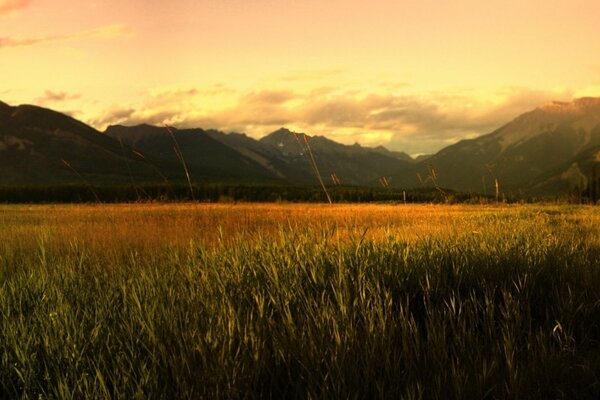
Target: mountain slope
519 153
580 176
38 145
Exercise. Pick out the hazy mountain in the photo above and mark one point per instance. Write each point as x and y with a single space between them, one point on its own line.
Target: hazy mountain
354 164
400 155
519 153
34 142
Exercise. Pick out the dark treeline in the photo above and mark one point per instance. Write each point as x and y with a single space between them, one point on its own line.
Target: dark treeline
231 193
214 192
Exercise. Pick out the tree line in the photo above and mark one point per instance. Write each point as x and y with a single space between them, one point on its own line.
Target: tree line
217 192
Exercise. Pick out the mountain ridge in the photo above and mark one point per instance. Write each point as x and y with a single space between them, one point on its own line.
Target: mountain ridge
545 151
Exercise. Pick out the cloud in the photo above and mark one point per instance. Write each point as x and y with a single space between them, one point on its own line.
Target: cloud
416 124
154 117
113 116
130 116
53 97
175 92
268 97
187 93
105 32
7 6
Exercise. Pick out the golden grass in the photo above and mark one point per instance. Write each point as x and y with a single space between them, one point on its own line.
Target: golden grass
151 227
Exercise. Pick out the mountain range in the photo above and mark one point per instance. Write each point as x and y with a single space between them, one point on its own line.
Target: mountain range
552 150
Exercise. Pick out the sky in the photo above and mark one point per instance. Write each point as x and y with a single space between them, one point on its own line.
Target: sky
413 76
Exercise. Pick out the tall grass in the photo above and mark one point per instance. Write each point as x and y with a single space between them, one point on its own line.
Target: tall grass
313 163
126 159
179 154
351 302
85 182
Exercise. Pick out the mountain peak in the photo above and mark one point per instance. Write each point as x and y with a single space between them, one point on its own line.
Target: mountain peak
284 134
281 130
283 139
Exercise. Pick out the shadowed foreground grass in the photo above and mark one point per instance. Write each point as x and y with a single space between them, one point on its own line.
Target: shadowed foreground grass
350 302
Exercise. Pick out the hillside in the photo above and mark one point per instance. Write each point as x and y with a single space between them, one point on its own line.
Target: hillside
41 146
518 154
578 176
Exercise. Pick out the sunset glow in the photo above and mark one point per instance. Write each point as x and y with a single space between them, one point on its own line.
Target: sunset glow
413 76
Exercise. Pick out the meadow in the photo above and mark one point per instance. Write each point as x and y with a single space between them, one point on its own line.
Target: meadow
299 301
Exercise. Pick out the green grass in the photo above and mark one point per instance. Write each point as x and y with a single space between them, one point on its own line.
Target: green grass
435 302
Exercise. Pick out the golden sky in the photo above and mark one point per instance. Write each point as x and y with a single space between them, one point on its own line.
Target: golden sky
410 75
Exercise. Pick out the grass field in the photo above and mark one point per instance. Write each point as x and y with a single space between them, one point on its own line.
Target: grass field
299 301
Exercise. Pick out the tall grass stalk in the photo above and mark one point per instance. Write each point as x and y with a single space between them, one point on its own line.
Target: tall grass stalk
433 176
133 184
316 169
85 182
167 184
182 160
306 149
336 181
497 187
